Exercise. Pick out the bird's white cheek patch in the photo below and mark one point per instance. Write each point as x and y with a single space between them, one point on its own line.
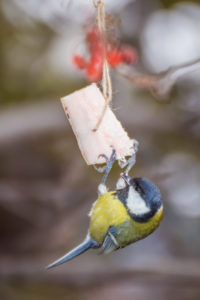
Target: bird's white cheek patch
135 203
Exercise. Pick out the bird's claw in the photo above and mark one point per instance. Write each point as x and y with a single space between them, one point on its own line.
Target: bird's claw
122 164
130 162
109 163
126 178
100 169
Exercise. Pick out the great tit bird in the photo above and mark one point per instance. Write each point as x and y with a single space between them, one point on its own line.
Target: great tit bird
120 217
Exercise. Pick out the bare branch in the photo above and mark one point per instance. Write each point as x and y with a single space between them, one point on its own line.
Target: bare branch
160 84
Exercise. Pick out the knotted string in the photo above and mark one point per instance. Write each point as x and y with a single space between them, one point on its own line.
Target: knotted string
106 81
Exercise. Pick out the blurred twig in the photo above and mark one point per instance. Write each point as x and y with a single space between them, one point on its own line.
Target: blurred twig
167 268
39 117
160 84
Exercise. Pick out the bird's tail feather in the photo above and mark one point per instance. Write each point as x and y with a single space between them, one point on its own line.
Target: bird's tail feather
87 244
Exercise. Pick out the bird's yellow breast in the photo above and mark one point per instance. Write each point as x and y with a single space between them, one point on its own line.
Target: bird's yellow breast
131 231
107 211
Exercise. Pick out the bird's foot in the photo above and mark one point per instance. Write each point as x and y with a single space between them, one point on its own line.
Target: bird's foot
109 163
130 162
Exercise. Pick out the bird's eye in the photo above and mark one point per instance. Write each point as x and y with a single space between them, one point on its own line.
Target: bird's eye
138 189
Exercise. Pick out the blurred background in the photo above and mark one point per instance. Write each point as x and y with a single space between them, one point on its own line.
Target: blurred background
46 189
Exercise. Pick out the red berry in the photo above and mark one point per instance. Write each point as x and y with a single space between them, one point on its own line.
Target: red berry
93 39
129 54
92 35
79 61
94 68
114 57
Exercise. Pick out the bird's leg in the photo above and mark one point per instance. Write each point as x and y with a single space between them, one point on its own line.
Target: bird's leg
129 163
125 178
109 163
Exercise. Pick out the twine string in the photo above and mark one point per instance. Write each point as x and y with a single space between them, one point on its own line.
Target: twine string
106 80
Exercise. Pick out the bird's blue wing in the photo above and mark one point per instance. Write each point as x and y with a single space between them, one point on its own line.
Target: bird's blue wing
110 243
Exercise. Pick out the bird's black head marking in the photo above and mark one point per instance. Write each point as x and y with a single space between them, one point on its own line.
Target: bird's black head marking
148 192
